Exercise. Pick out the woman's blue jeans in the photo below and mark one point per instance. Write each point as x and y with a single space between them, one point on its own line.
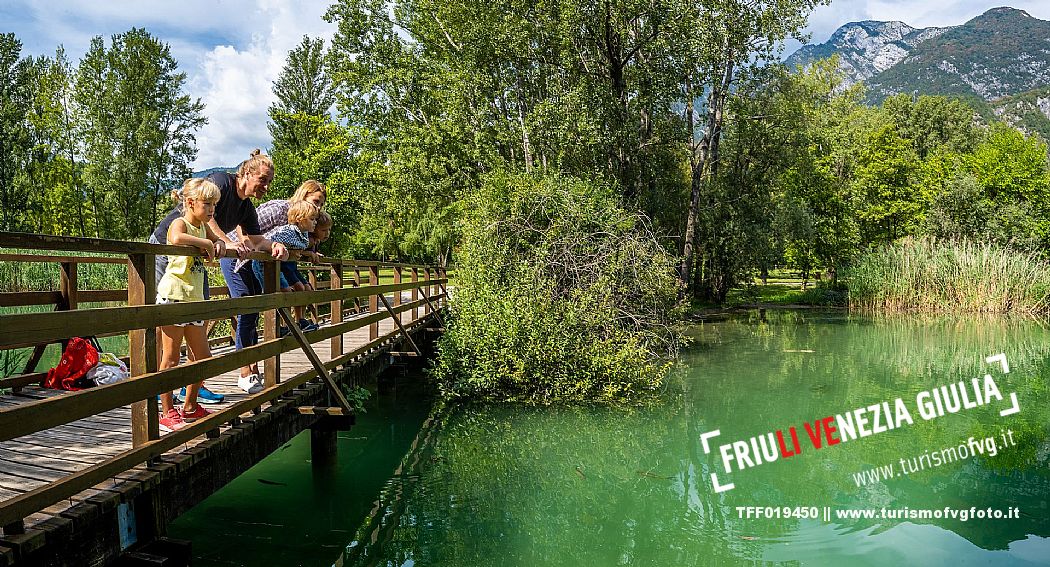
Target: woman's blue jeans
242 283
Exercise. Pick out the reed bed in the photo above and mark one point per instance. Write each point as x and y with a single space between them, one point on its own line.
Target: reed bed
941 276
44 276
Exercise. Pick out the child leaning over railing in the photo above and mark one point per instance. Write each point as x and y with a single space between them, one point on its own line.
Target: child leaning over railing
302 219
184 281
321 232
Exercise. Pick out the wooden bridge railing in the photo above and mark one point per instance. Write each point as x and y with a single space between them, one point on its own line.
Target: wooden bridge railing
69 296
141 317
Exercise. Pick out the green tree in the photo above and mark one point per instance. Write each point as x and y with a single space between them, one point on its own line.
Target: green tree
780 195
51 176
15 142
309 144
423 132
890 206
138 130
1010 165
832 126
1013 172
959 211
304 99
933 123
722 41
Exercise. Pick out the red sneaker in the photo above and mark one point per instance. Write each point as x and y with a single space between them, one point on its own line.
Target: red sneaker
172 421
190 417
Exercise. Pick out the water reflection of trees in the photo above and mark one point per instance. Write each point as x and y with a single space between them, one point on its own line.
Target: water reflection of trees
561 487
858 361
513 486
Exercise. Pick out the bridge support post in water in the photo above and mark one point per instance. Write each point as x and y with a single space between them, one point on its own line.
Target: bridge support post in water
324 447
324 434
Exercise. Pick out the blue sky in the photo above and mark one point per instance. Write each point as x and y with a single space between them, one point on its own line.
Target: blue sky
232 50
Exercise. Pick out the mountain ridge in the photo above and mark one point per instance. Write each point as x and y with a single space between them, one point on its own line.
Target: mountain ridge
865 48
999 61
1002 52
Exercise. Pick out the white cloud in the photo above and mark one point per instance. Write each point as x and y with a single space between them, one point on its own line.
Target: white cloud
236 84
230 50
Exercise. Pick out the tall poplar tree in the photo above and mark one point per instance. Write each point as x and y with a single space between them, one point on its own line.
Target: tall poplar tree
50 176
137 127
299 116
721 40
307 141
15 99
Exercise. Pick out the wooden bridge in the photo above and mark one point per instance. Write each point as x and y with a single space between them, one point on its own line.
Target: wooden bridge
87 478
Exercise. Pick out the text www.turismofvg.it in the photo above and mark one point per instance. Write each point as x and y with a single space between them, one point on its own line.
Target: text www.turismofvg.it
971 447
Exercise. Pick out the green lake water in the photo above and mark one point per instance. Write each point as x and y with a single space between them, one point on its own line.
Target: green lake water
505 485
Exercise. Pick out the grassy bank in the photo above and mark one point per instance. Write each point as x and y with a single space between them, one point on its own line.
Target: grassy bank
783 288
949 277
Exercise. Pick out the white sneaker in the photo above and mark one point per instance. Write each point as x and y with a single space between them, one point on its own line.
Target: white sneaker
251 383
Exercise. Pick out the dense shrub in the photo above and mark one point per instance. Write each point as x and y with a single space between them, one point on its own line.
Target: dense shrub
560 295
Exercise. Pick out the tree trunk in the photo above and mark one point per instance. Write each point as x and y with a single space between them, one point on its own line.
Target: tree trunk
73 174
526 147
703 153
694 197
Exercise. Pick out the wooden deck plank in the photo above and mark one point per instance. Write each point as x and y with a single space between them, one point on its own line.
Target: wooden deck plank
57 446
51 463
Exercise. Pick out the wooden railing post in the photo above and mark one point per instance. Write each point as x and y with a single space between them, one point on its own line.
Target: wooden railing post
311 276
430 289
373 302
415 292
142 346
397 294
357 283
68 285
271 284
337 309
67 288
442 288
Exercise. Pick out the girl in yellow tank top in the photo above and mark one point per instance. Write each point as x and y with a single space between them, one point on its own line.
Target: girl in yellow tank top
184 277
184 281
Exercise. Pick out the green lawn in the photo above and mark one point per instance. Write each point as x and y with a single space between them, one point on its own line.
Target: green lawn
780 289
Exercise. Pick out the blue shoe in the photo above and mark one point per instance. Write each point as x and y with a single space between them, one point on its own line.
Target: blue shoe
204 396
305 325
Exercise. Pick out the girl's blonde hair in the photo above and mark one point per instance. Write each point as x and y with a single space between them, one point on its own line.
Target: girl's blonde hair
324 220
307 188
301 211
255 161
198 189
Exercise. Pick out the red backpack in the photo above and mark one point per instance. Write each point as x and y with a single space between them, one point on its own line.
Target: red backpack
79 357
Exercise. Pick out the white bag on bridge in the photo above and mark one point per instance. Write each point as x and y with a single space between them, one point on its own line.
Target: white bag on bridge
109 370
